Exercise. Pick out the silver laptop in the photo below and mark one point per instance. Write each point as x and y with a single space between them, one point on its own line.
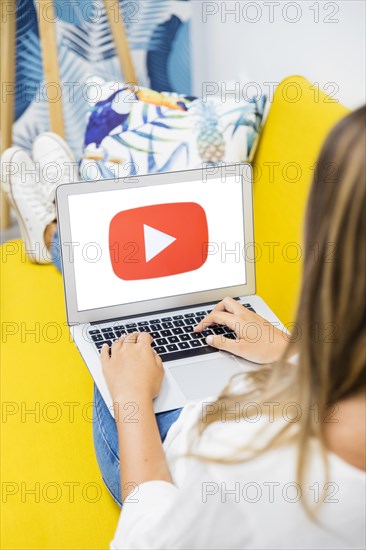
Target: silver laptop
155 253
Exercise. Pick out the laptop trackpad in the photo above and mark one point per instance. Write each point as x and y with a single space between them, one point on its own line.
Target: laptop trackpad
205 378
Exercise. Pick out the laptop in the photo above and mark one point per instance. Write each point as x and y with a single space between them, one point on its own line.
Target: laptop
156 253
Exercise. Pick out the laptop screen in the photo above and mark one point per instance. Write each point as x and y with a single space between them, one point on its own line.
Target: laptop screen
139 244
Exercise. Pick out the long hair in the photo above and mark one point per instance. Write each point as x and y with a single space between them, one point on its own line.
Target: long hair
330 339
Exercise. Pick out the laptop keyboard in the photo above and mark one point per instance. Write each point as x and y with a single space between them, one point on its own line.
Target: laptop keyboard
173 336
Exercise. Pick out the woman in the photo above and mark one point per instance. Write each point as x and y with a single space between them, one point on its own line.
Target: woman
295 477
278 459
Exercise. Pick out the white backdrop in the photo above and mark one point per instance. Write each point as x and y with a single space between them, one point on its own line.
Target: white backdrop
266 41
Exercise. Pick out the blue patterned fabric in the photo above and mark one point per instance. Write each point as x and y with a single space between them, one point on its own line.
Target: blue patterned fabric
158 35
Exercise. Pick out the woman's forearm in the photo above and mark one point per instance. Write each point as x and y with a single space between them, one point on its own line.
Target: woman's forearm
141 451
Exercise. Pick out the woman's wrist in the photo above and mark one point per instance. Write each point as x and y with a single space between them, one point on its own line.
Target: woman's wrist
139 399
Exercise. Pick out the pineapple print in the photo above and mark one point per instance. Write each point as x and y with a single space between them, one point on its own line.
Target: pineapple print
210 140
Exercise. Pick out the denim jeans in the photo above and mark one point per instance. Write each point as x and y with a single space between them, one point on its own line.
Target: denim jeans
104 427
55 251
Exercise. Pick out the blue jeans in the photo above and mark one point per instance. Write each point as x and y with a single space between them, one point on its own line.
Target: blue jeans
104 427
55 251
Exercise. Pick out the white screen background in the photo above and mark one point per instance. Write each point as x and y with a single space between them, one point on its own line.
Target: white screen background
90 215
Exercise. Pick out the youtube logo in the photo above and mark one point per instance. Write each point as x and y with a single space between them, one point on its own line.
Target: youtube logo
158 240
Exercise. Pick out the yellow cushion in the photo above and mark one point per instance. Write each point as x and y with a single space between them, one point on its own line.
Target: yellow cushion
49 451
296 127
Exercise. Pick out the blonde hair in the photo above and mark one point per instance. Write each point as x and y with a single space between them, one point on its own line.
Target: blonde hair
330 362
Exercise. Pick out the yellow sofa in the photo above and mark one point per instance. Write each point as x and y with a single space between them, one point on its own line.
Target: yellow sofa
52 493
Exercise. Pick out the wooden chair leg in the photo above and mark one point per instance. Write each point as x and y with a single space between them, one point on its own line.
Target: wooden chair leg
8 28
47 33
120 40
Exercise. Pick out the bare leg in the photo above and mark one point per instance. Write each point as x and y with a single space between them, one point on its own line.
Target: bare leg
48 233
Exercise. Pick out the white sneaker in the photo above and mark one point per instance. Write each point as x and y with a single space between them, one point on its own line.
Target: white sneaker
55 162
34 213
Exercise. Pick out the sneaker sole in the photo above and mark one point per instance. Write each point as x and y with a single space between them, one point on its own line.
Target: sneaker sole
6 185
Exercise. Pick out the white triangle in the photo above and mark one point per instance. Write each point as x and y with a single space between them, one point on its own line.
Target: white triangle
155 242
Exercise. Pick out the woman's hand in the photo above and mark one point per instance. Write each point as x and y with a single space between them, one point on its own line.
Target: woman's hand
134 370
257 339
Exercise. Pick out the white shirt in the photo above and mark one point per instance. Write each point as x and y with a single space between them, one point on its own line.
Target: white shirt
247 505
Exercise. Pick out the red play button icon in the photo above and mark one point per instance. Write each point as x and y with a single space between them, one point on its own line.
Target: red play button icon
159 240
